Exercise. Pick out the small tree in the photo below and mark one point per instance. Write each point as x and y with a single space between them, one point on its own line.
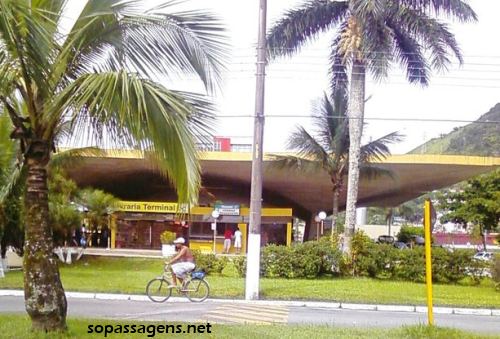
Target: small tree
478 203
98 204
328 148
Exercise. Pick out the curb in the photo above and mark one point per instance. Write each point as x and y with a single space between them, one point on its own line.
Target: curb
288 303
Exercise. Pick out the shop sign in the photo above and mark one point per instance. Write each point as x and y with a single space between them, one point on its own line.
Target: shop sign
228 209
151 207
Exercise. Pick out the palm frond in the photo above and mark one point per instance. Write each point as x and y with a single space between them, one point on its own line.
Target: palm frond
378 149
303 24
72 157
434 35
455 9
307 146
294 163
26 36
377 46
329 119
371 172
152 43
368 9
12 179
338 64
143 114
409 53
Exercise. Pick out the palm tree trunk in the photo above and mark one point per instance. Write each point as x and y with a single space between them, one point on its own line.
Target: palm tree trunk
355 112
43 292
335 210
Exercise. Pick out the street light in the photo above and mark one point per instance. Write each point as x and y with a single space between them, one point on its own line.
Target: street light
321 217
215 215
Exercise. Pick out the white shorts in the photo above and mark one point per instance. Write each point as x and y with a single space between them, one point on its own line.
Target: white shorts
237 243
181 268
227 243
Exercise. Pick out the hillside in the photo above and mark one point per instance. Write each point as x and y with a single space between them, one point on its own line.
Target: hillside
472 139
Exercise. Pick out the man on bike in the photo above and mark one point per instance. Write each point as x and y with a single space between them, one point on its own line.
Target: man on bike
182 263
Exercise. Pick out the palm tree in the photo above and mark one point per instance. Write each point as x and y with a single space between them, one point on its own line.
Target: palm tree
371 35
328 149
96 78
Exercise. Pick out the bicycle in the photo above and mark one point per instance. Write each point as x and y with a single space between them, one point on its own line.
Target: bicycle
194 286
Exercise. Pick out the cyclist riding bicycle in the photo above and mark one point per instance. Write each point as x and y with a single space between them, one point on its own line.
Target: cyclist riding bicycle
182 263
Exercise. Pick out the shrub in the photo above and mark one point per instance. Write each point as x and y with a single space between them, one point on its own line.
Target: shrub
410 265
308 260
379 261
360 246
206 262
240 263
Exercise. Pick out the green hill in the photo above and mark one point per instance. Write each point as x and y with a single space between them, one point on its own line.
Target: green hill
472 139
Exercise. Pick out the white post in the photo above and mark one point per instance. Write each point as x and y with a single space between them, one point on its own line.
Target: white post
253 256
215 215
361 213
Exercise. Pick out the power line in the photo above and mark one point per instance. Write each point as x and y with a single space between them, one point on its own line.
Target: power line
365 118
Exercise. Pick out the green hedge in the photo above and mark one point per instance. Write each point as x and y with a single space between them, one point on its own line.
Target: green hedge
387 262
308 260
322 258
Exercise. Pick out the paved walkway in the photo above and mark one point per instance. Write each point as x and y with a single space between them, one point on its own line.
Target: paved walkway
218 311
287 303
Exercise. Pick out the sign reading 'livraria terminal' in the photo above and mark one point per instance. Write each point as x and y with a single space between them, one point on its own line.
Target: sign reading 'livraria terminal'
152 207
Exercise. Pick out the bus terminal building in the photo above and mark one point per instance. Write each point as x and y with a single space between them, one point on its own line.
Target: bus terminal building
148 204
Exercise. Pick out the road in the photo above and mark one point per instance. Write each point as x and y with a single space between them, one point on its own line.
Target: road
241 312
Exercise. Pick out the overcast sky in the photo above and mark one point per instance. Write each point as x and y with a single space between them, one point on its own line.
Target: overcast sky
292 84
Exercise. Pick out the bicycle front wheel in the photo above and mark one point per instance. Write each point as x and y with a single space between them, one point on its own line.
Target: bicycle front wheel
197 290
158 291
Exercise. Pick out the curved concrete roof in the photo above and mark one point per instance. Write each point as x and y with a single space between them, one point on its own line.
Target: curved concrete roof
226 176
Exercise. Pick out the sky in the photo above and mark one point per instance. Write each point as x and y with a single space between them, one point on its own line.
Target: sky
293 84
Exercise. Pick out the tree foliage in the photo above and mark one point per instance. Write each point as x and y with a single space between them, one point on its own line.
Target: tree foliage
478 202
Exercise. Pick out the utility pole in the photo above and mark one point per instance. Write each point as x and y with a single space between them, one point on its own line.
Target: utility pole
253 255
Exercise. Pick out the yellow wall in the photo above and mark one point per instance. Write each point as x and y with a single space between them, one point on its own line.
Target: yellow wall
206 246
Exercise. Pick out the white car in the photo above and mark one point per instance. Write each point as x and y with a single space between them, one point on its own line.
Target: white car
486 256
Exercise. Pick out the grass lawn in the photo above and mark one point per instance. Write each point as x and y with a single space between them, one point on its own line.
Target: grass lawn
130 275
17 326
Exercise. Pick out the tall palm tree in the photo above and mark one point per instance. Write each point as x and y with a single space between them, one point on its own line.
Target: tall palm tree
96 78
328 149
371 35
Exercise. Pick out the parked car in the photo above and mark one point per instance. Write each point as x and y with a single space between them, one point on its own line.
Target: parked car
385 239
486 256
400 245
418 240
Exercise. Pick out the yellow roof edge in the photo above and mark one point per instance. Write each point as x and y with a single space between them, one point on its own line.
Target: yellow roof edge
394 159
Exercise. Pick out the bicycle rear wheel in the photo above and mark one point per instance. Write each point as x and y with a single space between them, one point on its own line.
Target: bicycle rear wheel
197 290
158 291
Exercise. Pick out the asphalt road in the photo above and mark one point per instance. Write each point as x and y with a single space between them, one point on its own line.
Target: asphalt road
240 312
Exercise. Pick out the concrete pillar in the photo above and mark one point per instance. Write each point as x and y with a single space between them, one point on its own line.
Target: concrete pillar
361 216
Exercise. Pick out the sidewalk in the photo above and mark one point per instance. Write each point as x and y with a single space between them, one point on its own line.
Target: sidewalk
132 253
287 303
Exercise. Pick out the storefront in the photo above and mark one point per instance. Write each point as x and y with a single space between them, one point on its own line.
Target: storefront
138 224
